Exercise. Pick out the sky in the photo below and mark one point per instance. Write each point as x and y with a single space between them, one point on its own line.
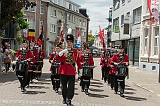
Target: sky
97 11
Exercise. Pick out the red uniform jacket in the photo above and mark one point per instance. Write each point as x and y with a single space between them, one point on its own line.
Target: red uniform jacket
68 69
105 61
39 55
116 60
28 55
90 61
53 56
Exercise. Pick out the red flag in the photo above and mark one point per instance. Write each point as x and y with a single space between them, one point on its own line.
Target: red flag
153 9
101 35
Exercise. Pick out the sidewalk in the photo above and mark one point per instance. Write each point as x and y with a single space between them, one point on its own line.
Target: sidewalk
145 79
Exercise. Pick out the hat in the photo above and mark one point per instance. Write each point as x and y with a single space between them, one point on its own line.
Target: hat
70 37
85 45
59 44
24 41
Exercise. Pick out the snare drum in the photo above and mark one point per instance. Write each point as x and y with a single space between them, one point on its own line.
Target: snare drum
22 66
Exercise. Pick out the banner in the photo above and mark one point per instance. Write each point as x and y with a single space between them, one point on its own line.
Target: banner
153 9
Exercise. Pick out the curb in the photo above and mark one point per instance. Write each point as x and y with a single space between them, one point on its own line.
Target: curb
146 89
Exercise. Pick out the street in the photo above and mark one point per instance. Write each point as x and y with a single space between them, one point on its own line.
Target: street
40 93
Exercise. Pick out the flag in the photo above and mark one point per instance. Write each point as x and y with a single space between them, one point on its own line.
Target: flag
101 35
31 34
62 31
79 35
153 9
40 38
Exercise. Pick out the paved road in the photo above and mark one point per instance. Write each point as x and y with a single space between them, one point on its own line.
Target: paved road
40 92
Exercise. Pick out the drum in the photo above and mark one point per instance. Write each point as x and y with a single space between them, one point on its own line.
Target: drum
121 70
38 67
86 70
22 66
54 68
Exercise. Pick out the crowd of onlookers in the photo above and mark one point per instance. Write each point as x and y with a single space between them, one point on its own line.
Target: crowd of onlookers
7 57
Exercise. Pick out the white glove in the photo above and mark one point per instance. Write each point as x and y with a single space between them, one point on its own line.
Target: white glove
65 51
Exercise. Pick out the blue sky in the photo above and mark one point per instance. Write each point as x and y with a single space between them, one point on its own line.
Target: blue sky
97 11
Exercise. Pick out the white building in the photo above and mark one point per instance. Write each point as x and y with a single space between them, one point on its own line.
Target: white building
149 46
58 11
126 25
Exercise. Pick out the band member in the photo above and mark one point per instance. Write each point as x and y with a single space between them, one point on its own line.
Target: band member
120 60
68 58
105 64
55 77
39 56
87 60
23 54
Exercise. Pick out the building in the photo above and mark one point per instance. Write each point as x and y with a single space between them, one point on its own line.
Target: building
126 26
53 14
149 46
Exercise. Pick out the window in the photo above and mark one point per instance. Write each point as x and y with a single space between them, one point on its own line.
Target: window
156 34
146 32
53 28
123 2
74 19
122 19
42 8
74 8
129 1
116 4
80 23
33 9
70 6
116 25
137 15
55 13
31 24
69 17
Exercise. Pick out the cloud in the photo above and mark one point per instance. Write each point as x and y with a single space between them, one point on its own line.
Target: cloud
97 11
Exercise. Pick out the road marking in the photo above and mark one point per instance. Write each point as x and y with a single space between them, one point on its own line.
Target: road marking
28 102
146 89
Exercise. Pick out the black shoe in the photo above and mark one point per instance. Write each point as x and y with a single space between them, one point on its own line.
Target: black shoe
56 90
115 92
111 88
121 94
82 90
69 103
23 89
64 102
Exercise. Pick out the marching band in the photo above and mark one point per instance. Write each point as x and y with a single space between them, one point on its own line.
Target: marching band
114 64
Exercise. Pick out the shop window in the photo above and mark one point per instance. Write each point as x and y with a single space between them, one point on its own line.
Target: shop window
156 37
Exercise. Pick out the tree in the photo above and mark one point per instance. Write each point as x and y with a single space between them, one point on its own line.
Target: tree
91 42
10 10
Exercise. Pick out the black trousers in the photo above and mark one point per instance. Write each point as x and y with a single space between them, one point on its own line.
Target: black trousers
55 81
22 77
112 79
92 73
85 82
29 77
121 80
105 71
109 78
68 84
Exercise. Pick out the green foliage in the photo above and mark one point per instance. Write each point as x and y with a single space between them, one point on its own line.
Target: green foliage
10 10
19 38
21 23
91 42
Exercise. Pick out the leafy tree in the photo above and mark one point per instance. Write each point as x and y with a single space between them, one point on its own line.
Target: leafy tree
91 42
10 10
